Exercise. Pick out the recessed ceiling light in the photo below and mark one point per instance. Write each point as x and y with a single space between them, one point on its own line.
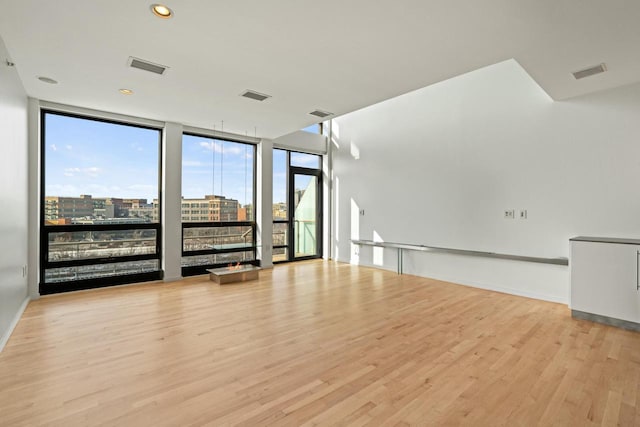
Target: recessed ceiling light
161 11
126 91
47 80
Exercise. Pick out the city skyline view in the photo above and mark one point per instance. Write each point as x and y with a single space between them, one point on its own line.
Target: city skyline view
99 158
110 160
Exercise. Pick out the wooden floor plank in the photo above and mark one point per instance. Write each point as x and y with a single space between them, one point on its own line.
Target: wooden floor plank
314 343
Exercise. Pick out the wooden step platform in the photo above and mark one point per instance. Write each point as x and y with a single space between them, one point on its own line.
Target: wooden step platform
242 273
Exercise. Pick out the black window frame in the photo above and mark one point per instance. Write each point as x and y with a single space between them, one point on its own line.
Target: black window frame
194 270
47 288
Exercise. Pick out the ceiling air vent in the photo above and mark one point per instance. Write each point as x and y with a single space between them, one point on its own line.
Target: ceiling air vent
321 114
141 64
601 68
256 96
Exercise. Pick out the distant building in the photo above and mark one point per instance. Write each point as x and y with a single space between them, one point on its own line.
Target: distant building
279 211
139 208
245 213
56 208
210 208
242 214
108 211
88 210
111 210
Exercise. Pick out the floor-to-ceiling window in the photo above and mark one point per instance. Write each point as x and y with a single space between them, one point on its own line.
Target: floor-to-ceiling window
100 211
218 199
297 206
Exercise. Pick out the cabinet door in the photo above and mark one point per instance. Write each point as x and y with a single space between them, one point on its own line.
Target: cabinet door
604 280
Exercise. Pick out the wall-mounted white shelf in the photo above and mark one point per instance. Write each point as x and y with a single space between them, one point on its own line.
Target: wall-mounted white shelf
405 246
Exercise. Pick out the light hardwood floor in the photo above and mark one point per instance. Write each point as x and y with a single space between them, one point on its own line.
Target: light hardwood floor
314 343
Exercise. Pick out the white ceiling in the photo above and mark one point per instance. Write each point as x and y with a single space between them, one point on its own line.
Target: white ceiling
334 55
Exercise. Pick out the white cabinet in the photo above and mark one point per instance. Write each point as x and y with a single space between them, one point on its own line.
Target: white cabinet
605 277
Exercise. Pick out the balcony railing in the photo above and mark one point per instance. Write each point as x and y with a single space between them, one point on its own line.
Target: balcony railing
208 245
81 256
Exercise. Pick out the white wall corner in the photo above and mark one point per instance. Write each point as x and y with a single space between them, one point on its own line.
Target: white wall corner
33 219
4 339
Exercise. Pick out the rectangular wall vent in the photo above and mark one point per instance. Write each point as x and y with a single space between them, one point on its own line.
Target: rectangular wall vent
321 114
252 94
601 68
141 64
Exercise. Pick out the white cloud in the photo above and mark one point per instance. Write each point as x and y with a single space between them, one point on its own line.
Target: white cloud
143 187
217 146
62 190
53 147
197 172
69 147
194 163
71 171
210 146
91 172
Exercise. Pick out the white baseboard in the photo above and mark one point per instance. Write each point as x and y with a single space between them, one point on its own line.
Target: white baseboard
473 284
505 290
5 338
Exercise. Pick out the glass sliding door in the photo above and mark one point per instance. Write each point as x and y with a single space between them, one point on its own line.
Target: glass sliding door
297 206
305 222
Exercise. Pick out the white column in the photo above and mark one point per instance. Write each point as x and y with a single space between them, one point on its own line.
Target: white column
264 208
172 201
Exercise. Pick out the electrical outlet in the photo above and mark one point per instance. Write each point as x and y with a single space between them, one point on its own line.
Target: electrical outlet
362 212
509 214
523 214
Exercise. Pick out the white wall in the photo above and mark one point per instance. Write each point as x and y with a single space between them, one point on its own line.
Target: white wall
13 197
439 166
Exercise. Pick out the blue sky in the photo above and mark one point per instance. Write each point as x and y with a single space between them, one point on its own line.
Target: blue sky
211 166
101 159
107 160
